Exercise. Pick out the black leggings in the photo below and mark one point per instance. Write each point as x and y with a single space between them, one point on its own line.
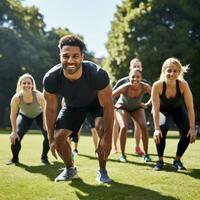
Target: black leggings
180 117
23 125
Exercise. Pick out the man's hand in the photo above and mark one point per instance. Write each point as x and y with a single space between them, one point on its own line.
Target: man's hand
52 146
13 137
157 135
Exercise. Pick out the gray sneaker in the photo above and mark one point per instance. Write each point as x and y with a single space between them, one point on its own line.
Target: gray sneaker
102 176
67 174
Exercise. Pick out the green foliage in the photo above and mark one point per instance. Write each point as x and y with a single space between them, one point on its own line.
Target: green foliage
31 180
25 46
154 30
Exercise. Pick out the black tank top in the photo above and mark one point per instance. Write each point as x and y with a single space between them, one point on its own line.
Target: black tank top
171 103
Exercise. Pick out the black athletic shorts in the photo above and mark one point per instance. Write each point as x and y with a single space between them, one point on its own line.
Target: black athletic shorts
73 118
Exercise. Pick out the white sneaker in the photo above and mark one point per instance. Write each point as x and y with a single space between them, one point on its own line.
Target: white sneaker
67 174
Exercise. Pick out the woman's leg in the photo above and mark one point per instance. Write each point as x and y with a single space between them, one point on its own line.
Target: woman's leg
180 117
140 118
137 134
115 134
23 124
122 118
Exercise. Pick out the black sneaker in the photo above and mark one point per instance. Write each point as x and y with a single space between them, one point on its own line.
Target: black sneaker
12 161
178 165
159 165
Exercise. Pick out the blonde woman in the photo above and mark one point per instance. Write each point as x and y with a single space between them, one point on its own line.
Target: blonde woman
26 105
171 96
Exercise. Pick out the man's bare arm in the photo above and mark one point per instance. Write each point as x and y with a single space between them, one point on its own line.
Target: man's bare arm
50 113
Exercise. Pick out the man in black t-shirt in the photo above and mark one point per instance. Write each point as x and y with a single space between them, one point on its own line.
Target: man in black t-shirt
85 88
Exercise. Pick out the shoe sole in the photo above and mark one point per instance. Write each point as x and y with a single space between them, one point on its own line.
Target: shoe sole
74 177
101 182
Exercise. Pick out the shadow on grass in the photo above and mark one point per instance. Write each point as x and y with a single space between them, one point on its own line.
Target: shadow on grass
51 170
114 191
117 161
195 173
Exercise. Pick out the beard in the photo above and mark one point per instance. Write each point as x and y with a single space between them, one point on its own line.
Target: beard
71 70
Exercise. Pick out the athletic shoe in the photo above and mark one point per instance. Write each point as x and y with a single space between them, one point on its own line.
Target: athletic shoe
159 165
67 175
75 152
146 158
138 151
102 176
123 158
12 161
178 165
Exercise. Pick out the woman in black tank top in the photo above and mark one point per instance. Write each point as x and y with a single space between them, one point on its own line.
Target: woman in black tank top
171 96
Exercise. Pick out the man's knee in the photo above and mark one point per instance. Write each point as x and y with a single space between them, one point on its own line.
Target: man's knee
61 135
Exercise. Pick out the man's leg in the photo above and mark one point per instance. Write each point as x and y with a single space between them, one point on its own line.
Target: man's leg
102 176
64 151
45 144
94 137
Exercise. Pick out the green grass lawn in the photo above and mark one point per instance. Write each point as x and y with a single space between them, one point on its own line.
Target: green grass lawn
30 180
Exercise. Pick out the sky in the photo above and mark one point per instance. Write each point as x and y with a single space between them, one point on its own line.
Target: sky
89 18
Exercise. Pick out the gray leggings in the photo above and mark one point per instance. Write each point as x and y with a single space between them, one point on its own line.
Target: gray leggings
23 125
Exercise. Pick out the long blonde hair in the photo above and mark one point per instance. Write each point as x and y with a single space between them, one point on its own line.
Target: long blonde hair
182 69
27 75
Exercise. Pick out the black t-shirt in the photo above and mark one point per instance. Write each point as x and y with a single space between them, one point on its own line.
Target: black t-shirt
77 93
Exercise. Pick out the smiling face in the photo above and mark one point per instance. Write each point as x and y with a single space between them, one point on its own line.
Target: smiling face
71 59
135 77
26 84
171 72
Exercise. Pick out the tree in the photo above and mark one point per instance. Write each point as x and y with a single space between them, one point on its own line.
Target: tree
154 30
25 47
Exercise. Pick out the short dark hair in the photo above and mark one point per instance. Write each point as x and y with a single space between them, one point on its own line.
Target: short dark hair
72 40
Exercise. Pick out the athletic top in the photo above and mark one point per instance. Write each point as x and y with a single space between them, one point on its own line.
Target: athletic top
31 110
171 103
129 103
77 93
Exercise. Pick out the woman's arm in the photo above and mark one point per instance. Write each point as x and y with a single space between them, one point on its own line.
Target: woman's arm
155 96
147 89
14 108
188 99
120 90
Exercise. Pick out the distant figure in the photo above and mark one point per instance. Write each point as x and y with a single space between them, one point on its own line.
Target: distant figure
170 95
26 105
86 89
